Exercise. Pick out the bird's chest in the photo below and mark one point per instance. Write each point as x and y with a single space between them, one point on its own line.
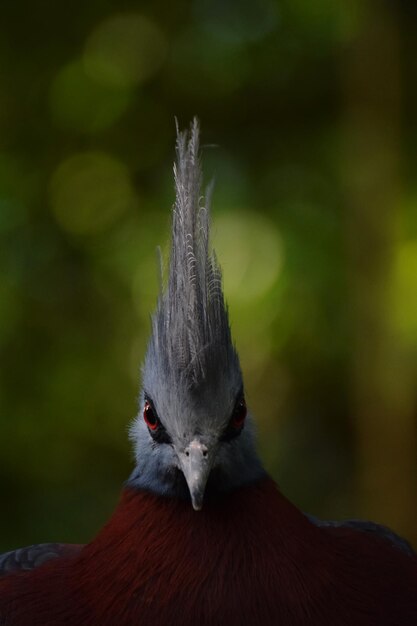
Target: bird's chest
194 591
208 568
175 566
240 563
252 559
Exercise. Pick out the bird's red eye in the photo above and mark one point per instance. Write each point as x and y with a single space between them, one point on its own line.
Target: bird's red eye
239 414
149 416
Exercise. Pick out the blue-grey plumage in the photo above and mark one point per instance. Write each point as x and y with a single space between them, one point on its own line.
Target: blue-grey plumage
31 557
28 557
191 373
372 528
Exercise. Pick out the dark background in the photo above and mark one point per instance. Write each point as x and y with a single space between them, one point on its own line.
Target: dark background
308 113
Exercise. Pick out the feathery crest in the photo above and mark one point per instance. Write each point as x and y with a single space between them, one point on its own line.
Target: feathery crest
191 336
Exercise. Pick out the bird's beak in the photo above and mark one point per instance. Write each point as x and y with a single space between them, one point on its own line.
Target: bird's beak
196 462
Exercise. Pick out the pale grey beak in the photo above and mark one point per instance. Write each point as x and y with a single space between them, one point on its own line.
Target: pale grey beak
196 462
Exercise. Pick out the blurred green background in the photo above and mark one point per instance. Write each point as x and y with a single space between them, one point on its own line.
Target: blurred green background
308 113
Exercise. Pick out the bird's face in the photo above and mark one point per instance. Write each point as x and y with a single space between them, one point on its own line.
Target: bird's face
203 435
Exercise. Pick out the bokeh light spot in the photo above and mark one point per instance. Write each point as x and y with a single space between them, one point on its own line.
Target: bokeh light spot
79 102
89 191
124 50
405 291
251 254
328 20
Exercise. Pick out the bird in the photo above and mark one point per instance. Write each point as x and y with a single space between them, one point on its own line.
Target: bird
202 535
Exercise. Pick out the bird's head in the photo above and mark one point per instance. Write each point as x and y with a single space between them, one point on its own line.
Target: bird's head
193 434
